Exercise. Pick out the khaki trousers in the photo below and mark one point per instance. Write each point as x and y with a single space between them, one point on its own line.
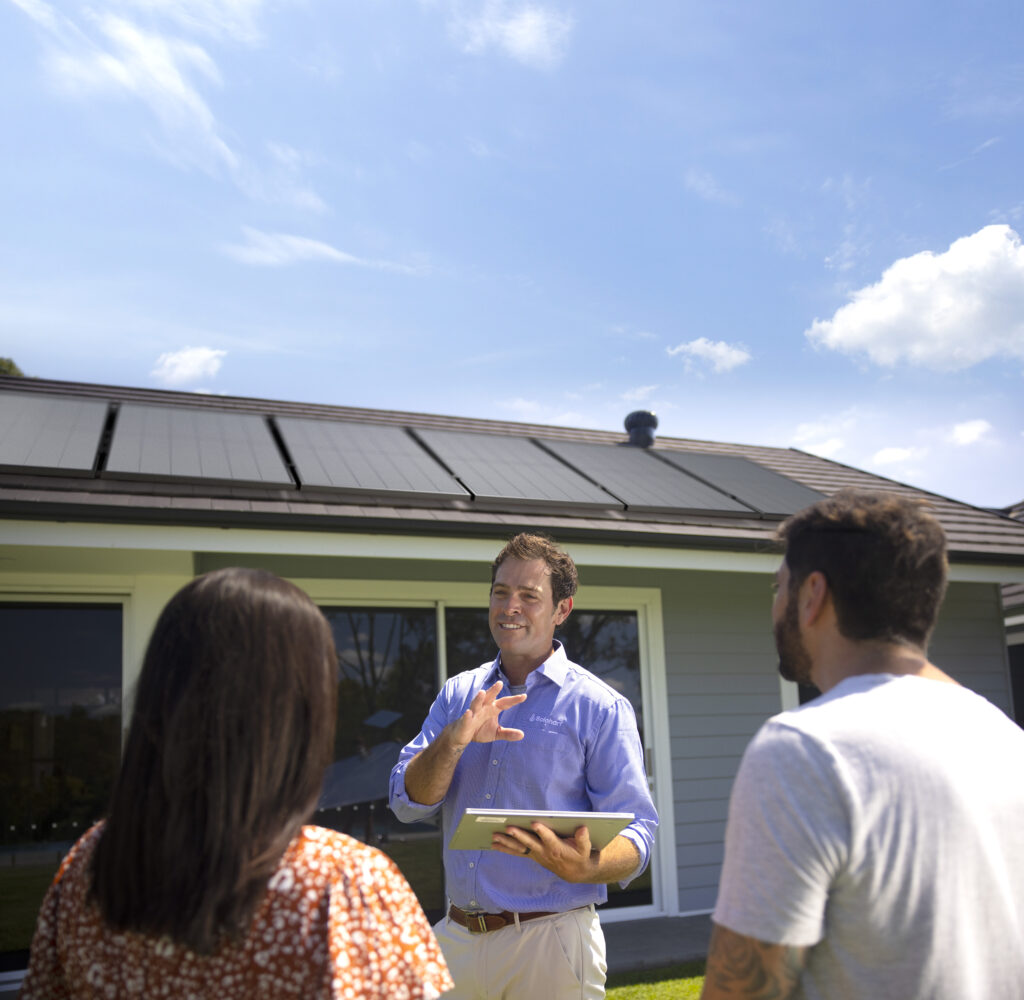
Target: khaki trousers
561 957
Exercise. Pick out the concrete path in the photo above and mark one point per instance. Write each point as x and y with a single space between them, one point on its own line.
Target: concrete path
650 944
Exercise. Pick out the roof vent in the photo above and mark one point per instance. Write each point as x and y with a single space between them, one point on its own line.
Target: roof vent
641 425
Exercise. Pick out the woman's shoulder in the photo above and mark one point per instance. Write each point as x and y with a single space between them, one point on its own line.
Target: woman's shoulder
321 846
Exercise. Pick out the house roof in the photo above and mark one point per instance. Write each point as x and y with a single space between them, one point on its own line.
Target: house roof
110 453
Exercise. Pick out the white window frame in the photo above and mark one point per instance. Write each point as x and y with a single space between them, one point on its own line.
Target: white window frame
644 601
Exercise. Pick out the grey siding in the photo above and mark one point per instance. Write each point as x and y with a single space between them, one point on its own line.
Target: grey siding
722 684
968 642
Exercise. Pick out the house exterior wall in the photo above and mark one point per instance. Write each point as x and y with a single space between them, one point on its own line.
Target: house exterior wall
719 675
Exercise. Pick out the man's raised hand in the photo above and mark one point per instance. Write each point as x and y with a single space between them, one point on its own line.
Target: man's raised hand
479 723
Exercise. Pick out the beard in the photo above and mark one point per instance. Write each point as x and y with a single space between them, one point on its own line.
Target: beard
794 661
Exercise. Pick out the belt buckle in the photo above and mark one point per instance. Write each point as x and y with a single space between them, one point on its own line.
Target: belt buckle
480 927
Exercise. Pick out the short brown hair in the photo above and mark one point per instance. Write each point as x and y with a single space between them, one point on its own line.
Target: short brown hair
884 557
232 730
524 546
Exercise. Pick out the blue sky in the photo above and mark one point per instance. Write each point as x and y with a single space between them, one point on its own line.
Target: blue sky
793 224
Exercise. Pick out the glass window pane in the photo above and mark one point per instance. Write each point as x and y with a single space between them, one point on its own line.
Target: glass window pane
387 670
60 740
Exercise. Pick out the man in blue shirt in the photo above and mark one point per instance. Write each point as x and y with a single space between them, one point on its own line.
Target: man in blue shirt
529 731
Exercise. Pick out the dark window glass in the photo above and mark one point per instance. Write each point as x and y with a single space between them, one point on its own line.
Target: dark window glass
387 673
60 739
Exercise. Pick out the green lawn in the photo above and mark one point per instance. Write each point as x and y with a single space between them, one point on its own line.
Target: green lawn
21 891
674 982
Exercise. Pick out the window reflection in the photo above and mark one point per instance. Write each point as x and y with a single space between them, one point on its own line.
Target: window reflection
60 739
387 681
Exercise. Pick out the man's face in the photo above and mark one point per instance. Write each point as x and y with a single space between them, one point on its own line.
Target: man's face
523 614
794 661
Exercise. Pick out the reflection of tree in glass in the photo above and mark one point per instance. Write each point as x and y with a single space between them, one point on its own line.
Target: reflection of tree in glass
605 642
468 641
386 664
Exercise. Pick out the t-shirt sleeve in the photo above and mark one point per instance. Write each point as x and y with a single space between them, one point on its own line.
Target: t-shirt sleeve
380 940
786 841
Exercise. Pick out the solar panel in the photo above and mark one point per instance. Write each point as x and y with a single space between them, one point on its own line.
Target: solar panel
50 433
764 490
364 457
187 443
499 467
642 482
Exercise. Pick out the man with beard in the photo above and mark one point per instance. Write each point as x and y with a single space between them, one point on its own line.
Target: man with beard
874 845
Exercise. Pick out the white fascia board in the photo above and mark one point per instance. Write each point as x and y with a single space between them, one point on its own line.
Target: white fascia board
445 548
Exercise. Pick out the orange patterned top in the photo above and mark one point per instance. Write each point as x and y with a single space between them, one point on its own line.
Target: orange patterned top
339 921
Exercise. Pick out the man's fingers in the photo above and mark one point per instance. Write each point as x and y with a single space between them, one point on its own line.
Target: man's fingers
512 735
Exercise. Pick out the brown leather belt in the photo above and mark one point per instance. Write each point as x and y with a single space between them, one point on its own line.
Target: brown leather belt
481 923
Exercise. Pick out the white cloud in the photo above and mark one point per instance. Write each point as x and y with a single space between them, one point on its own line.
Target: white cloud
969 432
527 32
187 365
721 356
702 184
279 249
826 448
943 311
639 394
138 50
895 455
237 20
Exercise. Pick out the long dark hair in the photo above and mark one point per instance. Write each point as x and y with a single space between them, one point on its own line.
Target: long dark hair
232 729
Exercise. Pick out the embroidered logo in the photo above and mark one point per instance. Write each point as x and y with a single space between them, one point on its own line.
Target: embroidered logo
547 720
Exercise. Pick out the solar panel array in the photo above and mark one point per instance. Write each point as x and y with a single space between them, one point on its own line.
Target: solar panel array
50 433
758 487
62 435
641 481
193 444
364 458
499 467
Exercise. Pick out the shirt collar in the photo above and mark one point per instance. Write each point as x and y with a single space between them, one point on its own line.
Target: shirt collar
554 668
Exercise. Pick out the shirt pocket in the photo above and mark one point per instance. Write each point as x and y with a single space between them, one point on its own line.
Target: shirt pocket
547 770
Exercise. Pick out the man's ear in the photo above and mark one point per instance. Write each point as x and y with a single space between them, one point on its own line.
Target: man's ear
562 610
814 597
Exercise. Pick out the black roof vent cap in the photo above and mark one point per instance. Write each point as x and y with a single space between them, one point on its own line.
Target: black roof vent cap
641 425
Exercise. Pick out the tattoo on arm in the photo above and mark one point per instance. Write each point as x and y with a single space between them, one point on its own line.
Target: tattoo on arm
743 967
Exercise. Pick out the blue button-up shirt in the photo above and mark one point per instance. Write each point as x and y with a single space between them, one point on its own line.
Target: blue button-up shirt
581 752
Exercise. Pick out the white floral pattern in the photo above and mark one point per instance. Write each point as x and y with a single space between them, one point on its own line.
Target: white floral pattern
339 922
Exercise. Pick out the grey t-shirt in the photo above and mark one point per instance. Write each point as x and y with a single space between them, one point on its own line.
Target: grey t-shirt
883 824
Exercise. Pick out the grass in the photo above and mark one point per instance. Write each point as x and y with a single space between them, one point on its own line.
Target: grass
678 982
21 891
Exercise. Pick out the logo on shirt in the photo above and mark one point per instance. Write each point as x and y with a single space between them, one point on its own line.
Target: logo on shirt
547 720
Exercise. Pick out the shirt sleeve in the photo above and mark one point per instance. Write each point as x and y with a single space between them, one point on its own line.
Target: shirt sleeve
786 841
44 979
398 798
381 945
617 779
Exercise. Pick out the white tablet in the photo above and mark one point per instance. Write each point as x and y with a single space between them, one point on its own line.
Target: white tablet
476 826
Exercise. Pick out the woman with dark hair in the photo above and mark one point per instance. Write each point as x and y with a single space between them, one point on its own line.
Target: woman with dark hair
203 882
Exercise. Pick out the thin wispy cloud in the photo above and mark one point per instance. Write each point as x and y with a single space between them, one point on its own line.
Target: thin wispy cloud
532 34
895 455
829 435
190 364
237 20
139 50
638 395
281 249
707 188
944 311
720 356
